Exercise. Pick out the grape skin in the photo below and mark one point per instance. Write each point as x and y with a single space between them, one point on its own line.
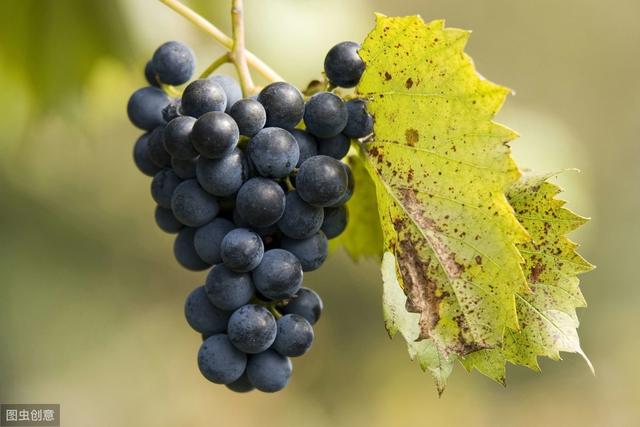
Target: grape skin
145 107
322 181
274 152
300 220
343 66
250 116
306 303
224 176
312 252
202 316
261 202
167 221
185 252
241 250
227 289
203 96
325 115
269 371
219 361
141 156
335 221
252 329
215 134
279 275
173 63
163 185
192 205
283 104
294 337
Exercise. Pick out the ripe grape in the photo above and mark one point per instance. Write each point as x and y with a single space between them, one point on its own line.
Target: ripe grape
360 123
241 385
273 152
167 221
306 143
295 336
252 329
231 89
305 303
283 104
141 156
336 146
157 153
192 205
185 169
208 238
162 187
255 210
322 181
250 116
223 176
145 107
325 115
177 138
343 66
350 187
219 361
215 134
312 252
203 96
261 202
241 250
335 221
279 275
185 252
173 63
227 289
150 74
202 316
300 219
269 371
172 110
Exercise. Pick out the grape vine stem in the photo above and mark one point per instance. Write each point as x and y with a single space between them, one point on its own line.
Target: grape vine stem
223 59
238 52
226 41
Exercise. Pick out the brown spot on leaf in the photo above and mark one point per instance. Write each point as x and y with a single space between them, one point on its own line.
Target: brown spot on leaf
387 76
478 260
411 136
536 270
409 83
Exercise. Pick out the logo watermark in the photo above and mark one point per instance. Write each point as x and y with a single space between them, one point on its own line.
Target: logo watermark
29 415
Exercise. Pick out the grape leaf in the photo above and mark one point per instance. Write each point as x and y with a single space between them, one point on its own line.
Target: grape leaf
398 319
547 314
363 235
441 166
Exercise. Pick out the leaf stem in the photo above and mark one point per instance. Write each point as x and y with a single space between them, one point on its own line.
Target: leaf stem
223 59
226 41
238 53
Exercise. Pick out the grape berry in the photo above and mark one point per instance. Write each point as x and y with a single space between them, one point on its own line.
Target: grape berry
251 197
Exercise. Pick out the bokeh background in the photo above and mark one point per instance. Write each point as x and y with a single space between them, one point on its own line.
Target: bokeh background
91 298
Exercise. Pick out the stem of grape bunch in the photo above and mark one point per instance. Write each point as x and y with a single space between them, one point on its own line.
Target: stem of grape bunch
226 41
238 53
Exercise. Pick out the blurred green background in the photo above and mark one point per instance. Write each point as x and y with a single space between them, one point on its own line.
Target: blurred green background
91 298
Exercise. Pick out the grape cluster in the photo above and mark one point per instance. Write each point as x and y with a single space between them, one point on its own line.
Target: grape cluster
253 195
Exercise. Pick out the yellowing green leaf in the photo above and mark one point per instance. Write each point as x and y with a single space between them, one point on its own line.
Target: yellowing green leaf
363 236
441 166
398 319
547 314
